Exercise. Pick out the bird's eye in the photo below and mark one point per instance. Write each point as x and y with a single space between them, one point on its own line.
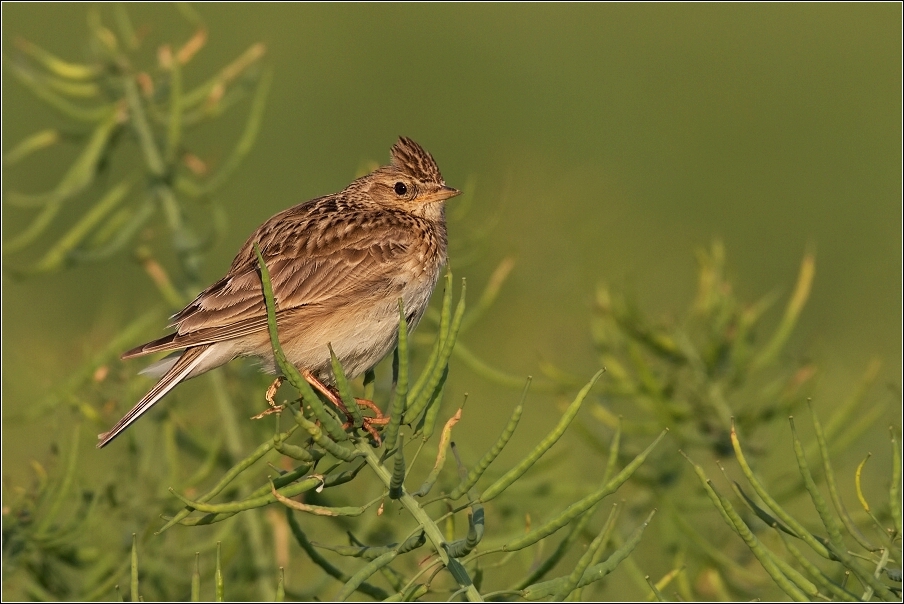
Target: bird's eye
400 188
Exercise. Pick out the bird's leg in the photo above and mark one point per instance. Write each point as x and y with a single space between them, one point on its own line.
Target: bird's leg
324 390
333 396
271 392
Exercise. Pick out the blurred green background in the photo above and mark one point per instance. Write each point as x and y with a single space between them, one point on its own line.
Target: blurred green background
609 141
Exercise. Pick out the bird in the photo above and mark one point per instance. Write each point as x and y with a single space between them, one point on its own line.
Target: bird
339 265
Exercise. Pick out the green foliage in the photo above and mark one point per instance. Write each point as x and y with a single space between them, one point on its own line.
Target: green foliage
44 537
709 378
698 374
313 501
830 579
112 101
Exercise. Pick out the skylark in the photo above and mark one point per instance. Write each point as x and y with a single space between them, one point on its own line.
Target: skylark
339 264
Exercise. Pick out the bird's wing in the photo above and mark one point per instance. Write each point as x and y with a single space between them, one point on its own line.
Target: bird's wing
311 265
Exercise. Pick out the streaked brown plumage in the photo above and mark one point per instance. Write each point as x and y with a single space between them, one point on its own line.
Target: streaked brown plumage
339 265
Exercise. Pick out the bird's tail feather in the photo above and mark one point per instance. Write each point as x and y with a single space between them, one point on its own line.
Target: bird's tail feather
180 370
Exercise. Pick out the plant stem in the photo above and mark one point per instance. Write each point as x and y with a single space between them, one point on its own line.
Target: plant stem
434 534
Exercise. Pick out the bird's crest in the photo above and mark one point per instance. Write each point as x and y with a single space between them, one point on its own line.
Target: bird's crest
411 158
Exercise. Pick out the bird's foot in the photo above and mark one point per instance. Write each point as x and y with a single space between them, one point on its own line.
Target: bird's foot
368 423
269 411
272 406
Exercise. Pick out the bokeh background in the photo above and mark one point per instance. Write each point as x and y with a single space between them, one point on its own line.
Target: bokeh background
604 143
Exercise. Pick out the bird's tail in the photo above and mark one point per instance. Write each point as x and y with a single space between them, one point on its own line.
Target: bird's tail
179 371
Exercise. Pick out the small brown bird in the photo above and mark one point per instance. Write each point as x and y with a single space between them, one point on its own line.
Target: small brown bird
339 265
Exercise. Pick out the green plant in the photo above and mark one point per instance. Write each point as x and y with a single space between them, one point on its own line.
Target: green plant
299 506
710 377
841 568
112 101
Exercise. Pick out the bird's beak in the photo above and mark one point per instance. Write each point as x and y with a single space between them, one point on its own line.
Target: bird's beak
445 193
